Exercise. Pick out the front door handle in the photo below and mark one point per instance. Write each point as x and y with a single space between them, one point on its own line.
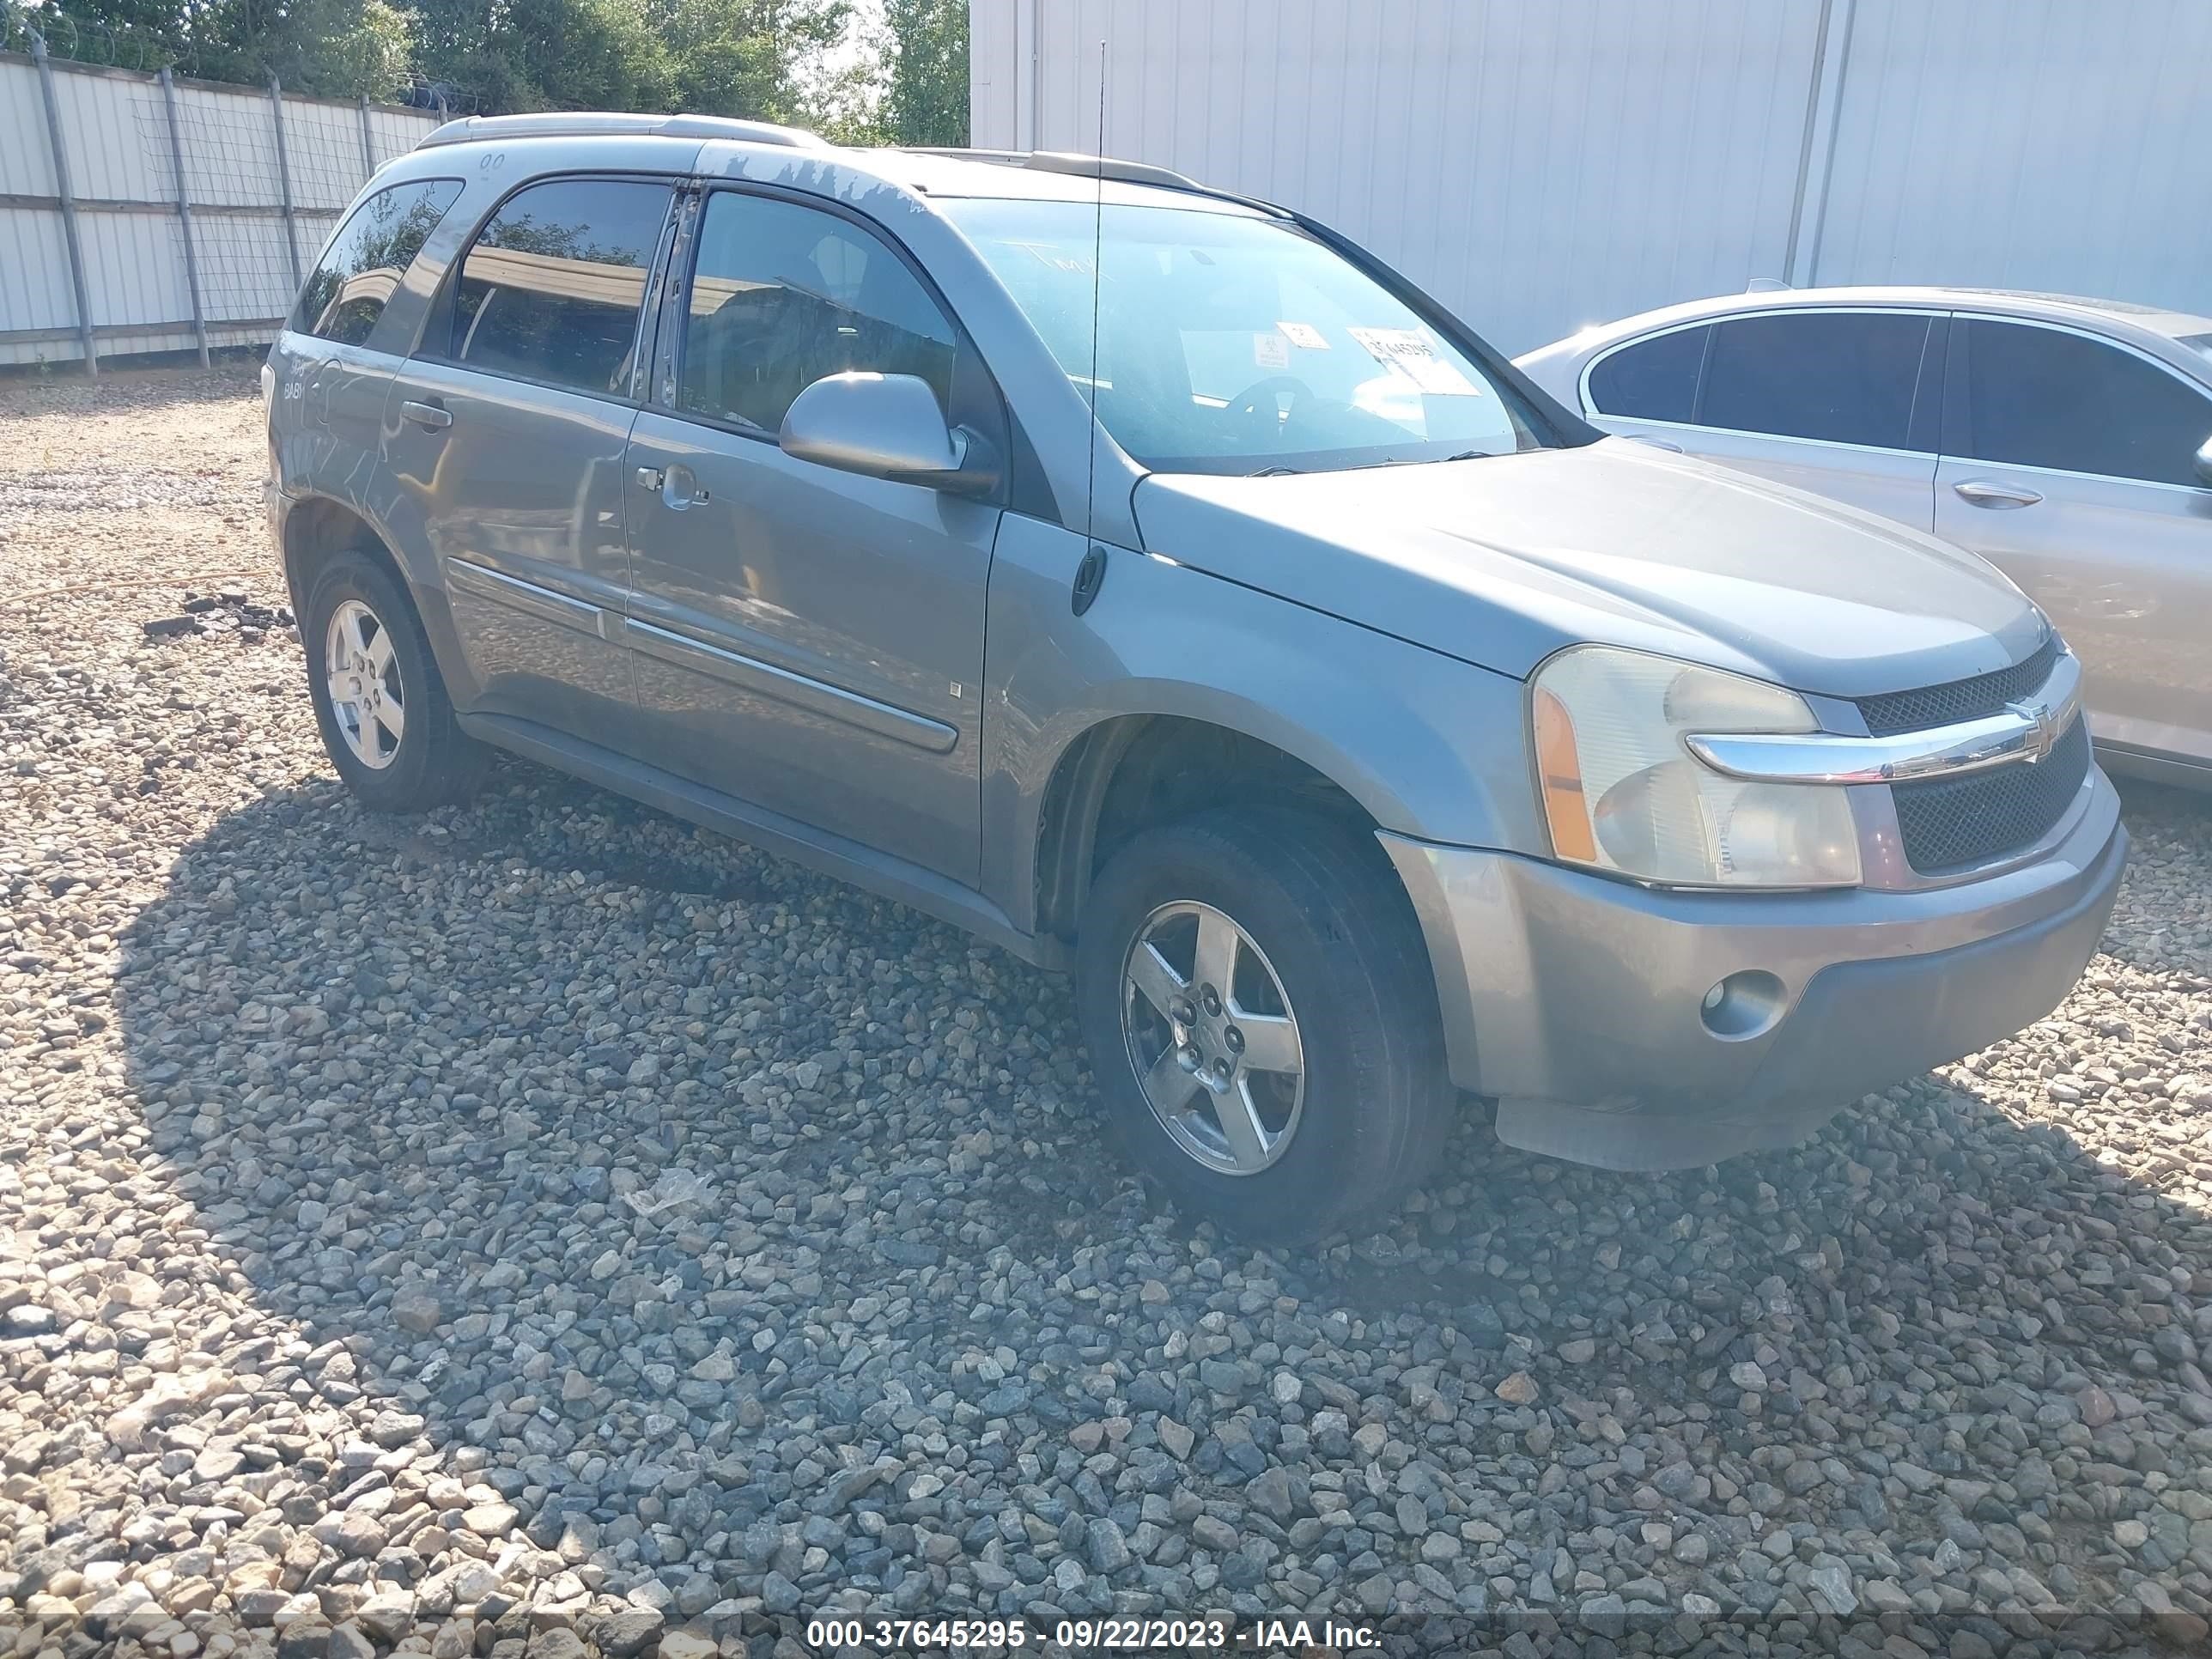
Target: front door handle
1982 493
651 478
680 488
433 417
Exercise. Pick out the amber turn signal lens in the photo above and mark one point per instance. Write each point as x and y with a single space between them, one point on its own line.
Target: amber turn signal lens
1559 771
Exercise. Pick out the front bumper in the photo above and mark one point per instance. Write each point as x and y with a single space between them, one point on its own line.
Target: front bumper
1578 1000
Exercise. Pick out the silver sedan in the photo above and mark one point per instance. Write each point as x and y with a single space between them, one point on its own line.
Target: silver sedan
2064 440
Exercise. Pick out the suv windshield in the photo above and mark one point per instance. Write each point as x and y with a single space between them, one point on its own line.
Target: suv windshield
1232 343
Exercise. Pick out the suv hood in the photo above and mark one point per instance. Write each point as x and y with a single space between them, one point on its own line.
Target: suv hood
1501 562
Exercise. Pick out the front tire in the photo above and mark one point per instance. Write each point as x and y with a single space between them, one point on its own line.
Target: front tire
387 722
1256 999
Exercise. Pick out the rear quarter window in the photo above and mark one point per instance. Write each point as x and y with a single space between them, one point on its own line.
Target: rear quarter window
1654 379
365 263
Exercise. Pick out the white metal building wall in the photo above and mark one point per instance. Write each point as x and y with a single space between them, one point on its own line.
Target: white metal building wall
114 127
1538 165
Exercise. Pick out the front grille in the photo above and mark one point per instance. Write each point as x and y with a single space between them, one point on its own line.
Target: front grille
1960 700
1948 822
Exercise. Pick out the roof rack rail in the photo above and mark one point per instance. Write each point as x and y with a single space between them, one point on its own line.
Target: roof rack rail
1080 167
557 124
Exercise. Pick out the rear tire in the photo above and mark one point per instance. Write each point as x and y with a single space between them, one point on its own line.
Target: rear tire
387 722
1324 939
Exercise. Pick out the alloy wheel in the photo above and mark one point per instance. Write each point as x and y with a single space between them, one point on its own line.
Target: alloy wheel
1213 1039
368 702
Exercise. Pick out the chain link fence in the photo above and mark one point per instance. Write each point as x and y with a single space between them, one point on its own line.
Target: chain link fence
145 211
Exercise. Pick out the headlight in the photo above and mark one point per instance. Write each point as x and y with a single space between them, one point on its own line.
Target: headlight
1621 792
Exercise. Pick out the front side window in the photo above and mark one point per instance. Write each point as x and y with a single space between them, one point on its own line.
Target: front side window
2041 397
1844 377
1654 379
1233 343
361 268
551 289
782 295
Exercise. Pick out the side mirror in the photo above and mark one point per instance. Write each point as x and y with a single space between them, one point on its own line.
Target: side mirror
2204 460
884 426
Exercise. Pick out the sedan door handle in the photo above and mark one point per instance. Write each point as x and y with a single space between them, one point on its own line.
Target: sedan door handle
435 417
651 478
1982 493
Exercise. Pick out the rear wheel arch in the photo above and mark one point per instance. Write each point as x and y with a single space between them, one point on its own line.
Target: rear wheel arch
320 528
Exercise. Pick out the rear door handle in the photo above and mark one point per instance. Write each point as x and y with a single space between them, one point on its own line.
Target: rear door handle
434 417
1982 493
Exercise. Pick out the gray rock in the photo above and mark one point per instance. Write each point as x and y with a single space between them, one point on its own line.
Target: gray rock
633 1631
1108 1551
416 1308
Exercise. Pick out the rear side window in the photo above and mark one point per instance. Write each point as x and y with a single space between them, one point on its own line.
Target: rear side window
361 268
783 294
2036 397
1839 376
1655 379
552 286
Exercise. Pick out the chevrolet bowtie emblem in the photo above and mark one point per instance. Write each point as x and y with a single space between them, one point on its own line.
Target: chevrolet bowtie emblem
2042 735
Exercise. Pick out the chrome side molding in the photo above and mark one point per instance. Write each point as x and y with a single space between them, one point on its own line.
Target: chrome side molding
2025 733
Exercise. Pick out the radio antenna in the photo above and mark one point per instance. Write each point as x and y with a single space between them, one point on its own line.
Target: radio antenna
1097 261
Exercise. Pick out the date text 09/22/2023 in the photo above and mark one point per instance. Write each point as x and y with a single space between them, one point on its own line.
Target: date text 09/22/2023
1202 1634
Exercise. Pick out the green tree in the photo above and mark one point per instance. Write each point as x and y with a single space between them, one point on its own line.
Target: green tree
926 64
761 58
333 47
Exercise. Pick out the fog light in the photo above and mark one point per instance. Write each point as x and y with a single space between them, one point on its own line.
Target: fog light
1744 1005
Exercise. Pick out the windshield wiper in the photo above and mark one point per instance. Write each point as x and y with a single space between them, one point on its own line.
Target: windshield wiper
1275 472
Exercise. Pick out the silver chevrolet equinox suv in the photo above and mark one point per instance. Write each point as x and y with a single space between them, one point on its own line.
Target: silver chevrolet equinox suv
1153 583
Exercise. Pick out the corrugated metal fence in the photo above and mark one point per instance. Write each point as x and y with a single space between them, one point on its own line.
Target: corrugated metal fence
1542 164
153 213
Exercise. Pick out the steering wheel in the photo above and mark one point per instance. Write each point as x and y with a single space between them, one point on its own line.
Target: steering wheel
1257 401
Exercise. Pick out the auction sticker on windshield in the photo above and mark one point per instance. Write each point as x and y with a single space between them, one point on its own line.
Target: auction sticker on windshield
1409 352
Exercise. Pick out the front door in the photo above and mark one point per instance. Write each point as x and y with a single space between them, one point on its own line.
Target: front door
506 433
807 640
2068 464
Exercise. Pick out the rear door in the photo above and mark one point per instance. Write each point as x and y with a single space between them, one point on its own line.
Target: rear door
1842 402
2068 463
506 432
807 640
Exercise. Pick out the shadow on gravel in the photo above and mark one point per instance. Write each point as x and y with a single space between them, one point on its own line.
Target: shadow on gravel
676 1181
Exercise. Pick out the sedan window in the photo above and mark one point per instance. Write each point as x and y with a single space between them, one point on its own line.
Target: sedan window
1837 376
2041 397
1654 379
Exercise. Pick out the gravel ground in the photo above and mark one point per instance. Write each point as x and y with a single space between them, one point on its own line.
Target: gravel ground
543 1223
